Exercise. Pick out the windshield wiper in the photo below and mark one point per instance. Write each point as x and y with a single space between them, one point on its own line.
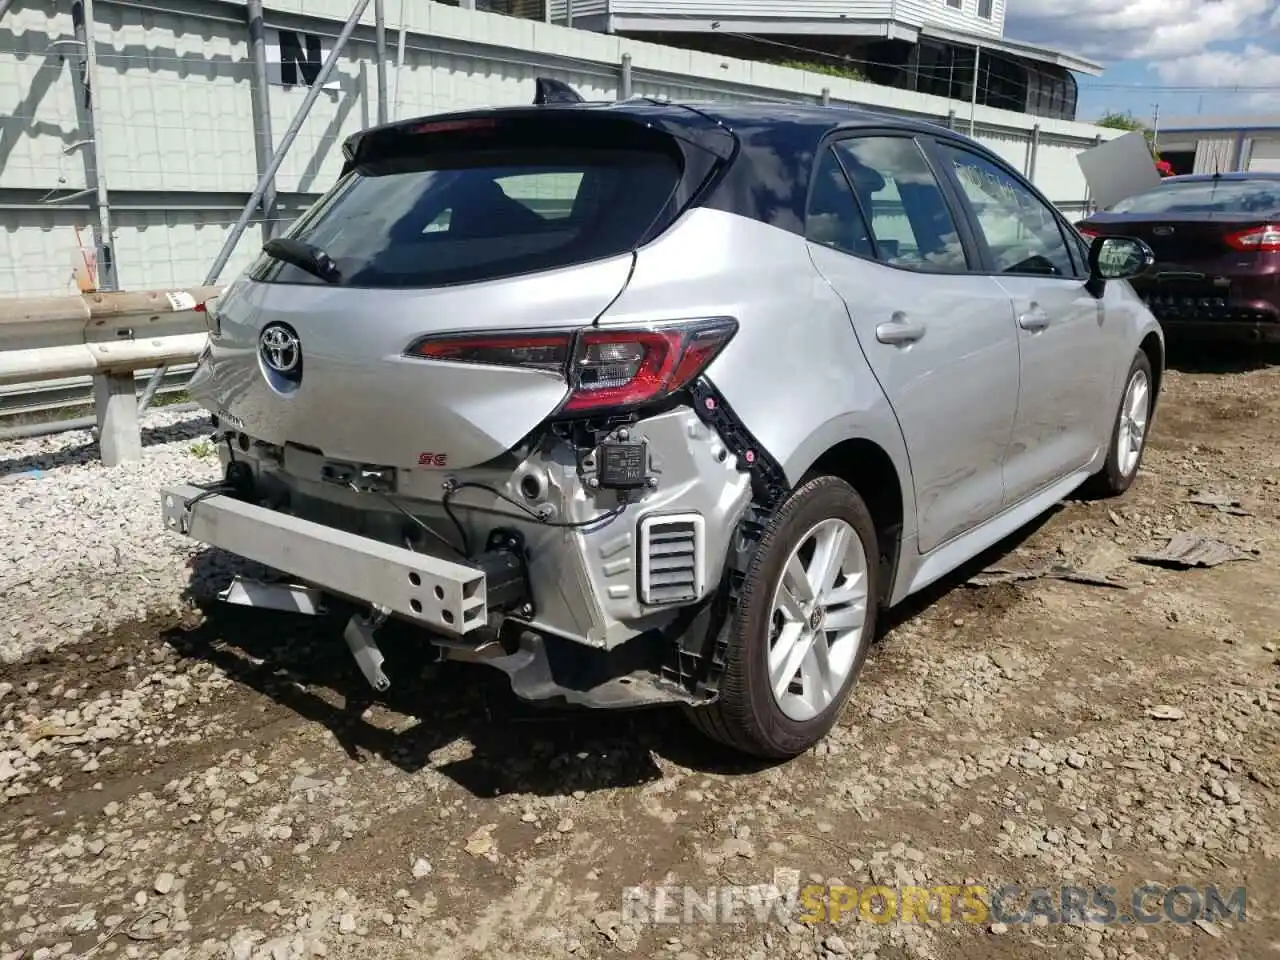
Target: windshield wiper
304 255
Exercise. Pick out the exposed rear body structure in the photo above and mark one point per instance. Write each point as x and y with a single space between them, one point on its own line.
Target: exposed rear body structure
662 403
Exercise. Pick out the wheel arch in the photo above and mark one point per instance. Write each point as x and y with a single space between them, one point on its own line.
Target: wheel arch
1153 346
870 469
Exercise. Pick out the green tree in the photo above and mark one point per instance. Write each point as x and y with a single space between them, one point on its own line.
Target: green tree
1127 121
1121 121
829 69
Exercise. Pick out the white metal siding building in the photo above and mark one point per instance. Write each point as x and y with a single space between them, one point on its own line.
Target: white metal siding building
180 128
1213 144
942 47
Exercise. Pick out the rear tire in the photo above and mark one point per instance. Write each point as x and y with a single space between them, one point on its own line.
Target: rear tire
805 617
1129 432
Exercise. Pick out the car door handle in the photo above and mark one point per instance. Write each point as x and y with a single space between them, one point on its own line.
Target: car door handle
1034 319
899 331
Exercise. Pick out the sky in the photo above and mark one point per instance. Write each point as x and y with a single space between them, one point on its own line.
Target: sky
1183 55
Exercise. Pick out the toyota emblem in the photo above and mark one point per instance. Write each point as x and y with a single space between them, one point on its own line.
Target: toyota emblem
280 349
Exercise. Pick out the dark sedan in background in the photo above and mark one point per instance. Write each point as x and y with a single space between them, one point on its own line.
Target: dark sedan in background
1216 238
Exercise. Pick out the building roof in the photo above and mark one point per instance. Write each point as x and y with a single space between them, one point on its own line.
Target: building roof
1233 123
1017 48
849 27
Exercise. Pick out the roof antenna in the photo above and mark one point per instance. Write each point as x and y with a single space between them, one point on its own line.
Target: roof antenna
551 90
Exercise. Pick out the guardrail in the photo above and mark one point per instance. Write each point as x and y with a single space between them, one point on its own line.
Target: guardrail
26 399
108 336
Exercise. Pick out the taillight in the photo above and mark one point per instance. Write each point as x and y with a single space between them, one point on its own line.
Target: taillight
1263 239
1088 233
534 351
606 368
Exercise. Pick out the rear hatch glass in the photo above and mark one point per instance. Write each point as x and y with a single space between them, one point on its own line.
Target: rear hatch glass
448 203
1207 197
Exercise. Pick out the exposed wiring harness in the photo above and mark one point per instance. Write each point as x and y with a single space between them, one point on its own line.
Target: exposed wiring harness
426 528
453 488
465 550
450 489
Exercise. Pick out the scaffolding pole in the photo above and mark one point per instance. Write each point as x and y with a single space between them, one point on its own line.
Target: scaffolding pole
261 91
380 41
291 134
82 21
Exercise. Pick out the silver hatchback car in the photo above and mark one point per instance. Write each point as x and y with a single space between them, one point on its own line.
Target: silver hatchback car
649 402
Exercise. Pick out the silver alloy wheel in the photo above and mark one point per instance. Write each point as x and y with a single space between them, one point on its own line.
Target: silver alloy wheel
1133 423
819 611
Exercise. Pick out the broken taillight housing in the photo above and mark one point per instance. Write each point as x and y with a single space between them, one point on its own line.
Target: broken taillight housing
1260 239
211 321
607 368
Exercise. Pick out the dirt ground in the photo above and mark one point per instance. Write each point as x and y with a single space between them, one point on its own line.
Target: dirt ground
221 785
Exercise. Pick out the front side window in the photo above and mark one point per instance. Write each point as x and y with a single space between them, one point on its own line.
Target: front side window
909 218
1021 231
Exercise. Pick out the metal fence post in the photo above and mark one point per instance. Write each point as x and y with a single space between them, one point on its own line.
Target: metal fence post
624 78
260 91
291 134
115 398
380 42
1033 149
115 404
951 119
400 45
826 96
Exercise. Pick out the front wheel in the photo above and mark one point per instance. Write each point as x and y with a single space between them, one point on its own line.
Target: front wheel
1128 432
805 617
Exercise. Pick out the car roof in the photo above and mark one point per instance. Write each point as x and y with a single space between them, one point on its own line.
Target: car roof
770 145
698 119
1233 175
756 112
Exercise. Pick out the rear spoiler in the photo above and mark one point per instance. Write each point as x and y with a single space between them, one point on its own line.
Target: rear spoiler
547 90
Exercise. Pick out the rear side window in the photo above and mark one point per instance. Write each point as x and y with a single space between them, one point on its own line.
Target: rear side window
1206 196
464 216
910 219
833 217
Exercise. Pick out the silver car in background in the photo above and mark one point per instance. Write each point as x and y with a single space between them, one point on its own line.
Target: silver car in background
652 403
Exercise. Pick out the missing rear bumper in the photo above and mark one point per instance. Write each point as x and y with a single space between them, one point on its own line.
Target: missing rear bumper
550 669
444 595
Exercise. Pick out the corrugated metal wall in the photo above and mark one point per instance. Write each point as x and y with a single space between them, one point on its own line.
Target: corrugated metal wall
178 126
1215 154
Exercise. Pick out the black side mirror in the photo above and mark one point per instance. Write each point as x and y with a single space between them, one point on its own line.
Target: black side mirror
1116 258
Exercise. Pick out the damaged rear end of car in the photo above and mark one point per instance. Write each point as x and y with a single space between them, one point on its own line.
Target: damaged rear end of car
418 411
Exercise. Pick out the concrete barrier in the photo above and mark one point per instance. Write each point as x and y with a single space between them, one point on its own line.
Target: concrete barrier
107 335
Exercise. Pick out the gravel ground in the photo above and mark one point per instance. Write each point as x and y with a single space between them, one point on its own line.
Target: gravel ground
83 547
206 782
